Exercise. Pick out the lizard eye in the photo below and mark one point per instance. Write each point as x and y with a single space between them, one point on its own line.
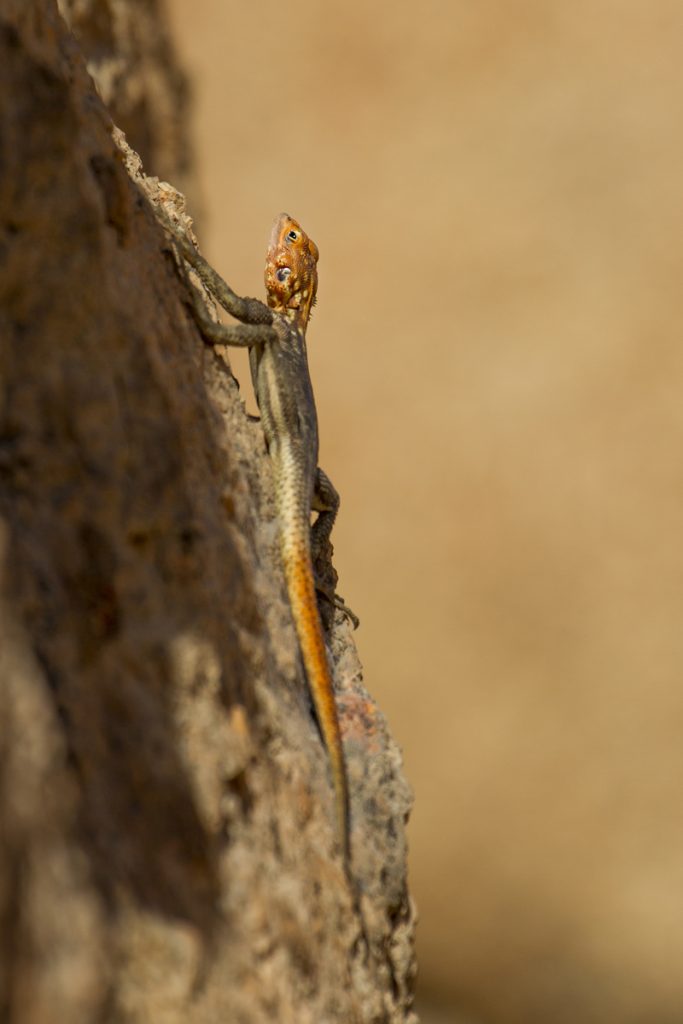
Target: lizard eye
292 235
283 273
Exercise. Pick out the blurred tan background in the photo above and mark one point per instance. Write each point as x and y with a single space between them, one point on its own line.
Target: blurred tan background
495 189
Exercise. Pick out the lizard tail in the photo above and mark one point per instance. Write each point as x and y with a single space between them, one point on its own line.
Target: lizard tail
302 596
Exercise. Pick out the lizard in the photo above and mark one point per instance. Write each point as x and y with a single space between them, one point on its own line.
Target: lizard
275 334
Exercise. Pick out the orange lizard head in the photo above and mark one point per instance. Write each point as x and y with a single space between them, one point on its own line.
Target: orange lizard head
291 270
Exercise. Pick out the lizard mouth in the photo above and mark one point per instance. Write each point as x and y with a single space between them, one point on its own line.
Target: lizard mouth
276 230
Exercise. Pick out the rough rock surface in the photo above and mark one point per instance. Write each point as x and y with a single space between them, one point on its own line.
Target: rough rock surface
168 845
130 55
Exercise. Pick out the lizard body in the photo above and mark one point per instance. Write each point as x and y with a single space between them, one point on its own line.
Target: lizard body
276 337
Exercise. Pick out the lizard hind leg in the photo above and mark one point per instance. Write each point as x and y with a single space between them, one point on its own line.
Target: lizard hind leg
326 504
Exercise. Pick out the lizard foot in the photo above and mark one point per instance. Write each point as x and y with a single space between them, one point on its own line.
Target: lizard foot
338 602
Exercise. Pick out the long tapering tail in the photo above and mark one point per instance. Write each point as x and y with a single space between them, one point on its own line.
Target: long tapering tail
301 588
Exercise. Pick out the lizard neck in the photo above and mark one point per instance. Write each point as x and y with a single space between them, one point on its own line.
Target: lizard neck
297 318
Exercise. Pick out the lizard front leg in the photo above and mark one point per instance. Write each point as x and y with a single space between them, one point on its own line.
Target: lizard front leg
326 504
243 335
248 311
